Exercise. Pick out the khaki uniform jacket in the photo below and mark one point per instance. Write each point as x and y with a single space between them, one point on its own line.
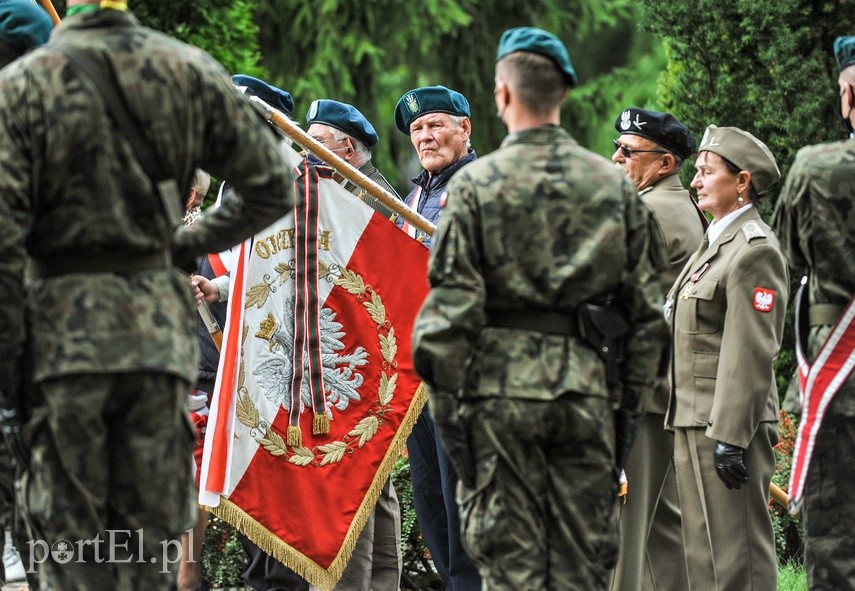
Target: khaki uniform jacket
726 332
679 219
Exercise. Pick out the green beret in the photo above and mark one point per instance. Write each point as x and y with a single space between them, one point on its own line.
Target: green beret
343 117
844 51
745 151
275 97
23 24
428 99
537 41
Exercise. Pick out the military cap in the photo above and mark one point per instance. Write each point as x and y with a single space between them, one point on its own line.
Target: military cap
745 151
537 41
662 128
23 24
278 99
343 117
844 51
428 99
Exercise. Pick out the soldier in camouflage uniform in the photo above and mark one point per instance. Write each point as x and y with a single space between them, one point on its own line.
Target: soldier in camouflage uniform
99 345
529 235
23 25
815 221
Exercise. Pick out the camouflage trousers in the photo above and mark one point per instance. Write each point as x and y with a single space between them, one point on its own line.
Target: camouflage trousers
829 502
109 488
10 516
541 516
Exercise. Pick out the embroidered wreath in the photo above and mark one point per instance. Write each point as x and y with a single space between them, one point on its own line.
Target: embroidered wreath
368 426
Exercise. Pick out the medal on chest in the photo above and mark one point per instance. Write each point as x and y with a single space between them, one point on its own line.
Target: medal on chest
695 277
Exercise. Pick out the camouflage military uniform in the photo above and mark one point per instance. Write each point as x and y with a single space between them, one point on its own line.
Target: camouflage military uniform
105 355
540 225
815 221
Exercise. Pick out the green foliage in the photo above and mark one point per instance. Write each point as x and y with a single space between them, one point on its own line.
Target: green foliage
370 53
788 533
417 573
791 577
765 67
223 557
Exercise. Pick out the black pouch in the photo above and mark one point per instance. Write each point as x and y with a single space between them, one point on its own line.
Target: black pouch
603 328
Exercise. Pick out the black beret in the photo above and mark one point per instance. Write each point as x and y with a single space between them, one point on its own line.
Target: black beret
428 99
537 41
844 51
662 128
344 117
278 99
23 24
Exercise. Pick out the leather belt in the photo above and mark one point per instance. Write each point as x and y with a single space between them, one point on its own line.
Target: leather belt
536 320
56 266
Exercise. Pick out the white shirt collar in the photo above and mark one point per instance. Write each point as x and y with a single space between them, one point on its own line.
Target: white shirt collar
717 227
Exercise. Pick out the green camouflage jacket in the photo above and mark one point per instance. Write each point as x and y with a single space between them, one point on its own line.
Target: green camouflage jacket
71 187
541 224
815 222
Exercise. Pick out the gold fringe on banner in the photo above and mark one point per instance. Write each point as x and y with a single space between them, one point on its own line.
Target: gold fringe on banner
326 578
321 424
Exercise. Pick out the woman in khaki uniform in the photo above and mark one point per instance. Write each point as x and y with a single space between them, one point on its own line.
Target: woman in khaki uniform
727 314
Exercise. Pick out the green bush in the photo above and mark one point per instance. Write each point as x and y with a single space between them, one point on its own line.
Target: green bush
788 533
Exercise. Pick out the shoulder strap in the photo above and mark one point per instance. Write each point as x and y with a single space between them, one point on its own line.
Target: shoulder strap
117 108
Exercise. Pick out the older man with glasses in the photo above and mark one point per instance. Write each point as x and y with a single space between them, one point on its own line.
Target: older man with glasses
651 150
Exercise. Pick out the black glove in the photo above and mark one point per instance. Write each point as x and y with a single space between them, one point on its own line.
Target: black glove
626 426
11 424
730 465
454 437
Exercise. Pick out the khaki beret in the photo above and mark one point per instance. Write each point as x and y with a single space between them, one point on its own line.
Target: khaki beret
745 151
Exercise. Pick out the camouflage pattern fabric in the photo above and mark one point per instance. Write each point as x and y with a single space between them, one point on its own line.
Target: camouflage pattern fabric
815 222
541 224
127 483
510 526
71 188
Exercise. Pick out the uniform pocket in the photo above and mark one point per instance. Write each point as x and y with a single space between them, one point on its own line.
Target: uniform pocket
483 522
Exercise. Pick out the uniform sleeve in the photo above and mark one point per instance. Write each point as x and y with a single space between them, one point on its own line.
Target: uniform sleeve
15 222
641 296
791 218
751 338
239 148
453 312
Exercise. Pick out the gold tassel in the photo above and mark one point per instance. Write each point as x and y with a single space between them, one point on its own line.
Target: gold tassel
294 437
320 424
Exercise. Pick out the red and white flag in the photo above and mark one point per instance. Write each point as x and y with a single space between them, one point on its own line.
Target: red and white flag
299 487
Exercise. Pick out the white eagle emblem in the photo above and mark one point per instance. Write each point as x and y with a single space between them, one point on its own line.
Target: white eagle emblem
625 120
341 377
764 299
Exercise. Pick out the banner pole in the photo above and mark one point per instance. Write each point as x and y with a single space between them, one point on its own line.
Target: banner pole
291 129
48 6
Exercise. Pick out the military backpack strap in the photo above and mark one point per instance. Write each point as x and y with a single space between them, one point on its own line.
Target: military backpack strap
116 106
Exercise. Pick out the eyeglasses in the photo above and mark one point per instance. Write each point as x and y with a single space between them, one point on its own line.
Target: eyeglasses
627 152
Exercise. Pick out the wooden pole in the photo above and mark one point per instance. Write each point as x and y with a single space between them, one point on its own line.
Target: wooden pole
291 129
48 6
779 495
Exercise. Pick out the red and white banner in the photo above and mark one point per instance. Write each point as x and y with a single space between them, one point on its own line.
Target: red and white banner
305 499
818 383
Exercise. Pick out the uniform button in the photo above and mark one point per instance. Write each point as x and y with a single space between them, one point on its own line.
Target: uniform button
709 423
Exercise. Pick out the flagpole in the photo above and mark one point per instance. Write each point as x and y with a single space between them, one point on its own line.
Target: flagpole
291 129
48 6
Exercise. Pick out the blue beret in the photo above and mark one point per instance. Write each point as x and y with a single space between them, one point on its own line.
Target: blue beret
278 99
343 117
844 51
537 41
428 99
23 24
662 128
